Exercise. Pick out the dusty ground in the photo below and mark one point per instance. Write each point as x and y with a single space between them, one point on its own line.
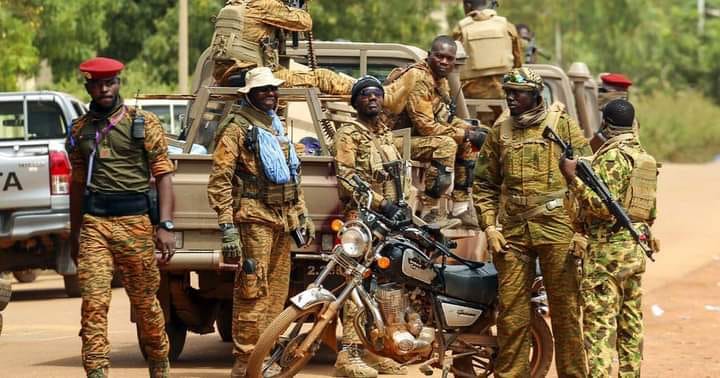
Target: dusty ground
40 339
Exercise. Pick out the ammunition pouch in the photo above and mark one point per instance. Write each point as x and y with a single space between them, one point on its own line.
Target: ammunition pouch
639 200
117 204
273 195
469 167
443 180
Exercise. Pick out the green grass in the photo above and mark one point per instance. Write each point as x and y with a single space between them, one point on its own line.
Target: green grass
682 128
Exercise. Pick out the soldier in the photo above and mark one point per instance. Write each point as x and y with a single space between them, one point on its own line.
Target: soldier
255 189
493 48
421 95
613 86
523 193
613 266
113 150
363 148
248 34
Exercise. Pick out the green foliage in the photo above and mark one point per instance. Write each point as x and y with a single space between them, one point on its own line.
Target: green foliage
18 56
398 21
133 22
679 127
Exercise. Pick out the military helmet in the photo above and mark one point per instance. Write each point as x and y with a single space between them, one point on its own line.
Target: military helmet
523 79
619 113
362 83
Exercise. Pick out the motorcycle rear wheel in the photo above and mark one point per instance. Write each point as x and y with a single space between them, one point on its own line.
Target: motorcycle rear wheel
278 340
541 354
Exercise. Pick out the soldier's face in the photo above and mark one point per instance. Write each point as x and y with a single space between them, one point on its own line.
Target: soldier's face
264 98
370 102
442 59
103 91
520 102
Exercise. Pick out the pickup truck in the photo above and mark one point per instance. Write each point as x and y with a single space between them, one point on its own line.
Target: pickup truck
35 183
196 287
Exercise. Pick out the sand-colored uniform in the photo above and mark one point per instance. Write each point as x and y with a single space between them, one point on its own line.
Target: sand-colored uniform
361 150
236 191
523 191
422 102
122 167
613 265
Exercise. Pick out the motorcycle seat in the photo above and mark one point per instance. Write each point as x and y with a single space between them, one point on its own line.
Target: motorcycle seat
478 285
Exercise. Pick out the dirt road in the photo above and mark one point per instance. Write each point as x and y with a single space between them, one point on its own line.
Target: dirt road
40 339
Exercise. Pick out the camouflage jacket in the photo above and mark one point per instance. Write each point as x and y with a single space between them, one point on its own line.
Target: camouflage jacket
121 161
614 166
523 174
357 153
231 153
422 101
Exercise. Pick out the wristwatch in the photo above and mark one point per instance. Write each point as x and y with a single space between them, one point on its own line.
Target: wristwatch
167 225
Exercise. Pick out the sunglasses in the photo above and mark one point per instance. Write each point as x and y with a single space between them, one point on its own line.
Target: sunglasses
367 92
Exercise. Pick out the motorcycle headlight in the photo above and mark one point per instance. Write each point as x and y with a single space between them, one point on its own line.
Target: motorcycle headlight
354 241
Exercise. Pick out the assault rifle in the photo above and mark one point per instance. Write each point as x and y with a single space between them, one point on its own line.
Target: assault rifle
586 174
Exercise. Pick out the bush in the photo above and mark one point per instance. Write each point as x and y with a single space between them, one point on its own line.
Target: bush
683 127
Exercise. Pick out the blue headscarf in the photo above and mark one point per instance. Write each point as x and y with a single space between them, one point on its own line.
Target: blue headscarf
276 168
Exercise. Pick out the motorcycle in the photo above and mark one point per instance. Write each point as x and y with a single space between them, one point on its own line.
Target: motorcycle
413 306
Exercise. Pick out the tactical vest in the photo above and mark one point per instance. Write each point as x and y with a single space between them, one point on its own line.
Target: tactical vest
228 42
488 46
379 156
536 204
259 187
639 200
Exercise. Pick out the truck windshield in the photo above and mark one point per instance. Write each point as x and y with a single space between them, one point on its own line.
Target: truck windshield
45 121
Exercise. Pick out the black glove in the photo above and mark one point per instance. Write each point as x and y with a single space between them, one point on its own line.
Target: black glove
476 136
392 211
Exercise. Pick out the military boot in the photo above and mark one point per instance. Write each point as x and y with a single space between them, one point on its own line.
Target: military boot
465 213
350 364
101 372
271 370
436 216
159 368
239 369
383 365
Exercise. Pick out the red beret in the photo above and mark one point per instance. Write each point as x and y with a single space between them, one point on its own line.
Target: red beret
100 68
616 80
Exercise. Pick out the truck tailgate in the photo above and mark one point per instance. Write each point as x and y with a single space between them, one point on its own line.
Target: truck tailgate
24 175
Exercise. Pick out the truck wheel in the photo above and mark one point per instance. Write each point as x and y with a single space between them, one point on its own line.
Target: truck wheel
27 275
224 321
72 286
176 336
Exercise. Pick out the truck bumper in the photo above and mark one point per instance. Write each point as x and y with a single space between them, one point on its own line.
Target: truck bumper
28 223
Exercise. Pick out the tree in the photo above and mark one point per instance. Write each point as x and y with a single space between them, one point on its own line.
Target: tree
18 56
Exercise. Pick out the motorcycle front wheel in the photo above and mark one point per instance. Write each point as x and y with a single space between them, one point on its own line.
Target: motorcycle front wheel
541 354
277 344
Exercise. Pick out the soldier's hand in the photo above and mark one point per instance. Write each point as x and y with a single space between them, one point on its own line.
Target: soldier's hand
309 227
392 211
567 168
165 241
496 241
231 244
476 136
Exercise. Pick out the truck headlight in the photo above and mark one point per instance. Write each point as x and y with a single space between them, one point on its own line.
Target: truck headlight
354 241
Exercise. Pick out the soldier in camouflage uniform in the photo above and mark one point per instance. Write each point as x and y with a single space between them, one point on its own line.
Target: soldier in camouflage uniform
522 192
614 263
362 148
247 35
113 150
421 96
255 189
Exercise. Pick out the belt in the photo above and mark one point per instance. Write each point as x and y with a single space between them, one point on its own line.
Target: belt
115 205
532 213
535 200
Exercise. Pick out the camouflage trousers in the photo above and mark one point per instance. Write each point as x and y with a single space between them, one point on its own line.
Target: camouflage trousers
327 81
259 298
125 243
516 272
612 311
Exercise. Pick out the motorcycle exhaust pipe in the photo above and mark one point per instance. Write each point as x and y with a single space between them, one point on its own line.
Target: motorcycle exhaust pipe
184 260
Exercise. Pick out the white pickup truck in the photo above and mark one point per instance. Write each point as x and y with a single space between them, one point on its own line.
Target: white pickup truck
35 183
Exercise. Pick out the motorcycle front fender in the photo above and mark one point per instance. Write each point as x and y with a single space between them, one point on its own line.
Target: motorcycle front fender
311 297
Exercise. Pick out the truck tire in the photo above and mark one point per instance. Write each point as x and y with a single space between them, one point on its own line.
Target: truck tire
224 321
176 333
72 286
27 275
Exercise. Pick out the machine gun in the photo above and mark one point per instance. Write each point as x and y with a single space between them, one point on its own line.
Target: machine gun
586 174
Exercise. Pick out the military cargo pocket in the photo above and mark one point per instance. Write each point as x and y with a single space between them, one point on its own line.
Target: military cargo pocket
253 285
